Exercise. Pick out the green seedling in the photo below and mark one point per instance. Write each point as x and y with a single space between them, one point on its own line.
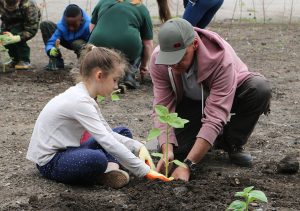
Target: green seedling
113 96
249 196
4 56
172 121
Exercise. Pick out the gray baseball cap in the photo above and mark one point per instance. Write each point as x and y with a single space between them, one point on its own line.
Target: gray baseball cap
174 37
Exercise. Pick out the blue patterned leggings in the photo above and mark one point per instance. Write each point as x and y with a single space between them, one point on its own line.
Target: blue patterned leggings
80 165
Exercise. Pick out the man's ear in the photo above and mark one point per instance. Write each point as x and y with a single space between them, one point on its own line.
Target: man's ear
196 44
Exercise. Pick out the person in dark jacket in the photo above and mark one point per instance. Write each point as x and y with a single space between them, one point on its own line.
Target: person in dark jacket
72 32
20 22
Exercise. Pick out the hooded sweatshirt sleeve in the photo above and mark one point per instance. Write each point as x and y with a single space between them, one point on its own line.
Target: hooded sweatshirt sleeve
218 104
51 42
163 95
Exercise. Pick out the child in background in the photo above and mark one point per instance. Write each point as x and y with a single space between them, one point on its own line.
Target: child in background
72 31
55 142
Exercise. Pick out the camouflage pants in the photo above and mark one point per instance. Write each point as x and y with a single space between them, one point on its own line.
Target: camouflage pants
48 28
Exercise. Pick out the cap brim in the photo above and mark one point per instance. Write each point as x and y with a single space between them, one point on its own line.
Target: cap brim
170 58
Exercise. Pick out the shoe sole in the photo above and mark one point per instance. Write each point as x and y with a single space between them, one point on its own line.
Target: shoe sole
115 179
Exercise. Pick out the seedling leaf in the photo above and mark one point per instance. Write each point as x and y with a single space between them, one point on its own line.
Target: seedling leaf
248 189
100 98
257 195
176 124
163 119
179 163
154 133
237 205
156 154
241 194
161 110
173 115
115 97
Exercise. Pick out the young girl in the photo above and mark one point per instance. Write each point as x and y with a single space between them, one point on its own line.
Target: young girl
55 142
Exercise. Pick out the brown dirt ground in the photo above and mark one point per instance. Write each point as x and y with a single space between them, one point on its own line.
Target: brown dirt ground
272 50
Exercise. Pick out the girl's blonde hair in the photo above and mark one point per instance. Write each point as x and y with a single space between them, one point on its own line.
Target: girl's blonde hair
107 60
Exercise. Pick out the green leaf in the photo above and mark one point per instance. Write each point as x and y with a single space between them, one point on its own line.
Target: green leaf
100 98
248 189
257 195
173 115
179 163
237 205
154 133
163 119
114 97
161 110
176 124
184 121
241 194
156 154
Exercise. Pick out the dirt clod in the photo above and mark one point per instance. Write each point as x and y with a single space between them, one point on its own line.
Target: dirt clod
288 165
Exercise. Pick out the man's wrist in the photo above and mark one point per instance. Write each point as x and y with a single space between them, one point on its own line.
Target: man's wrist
190 164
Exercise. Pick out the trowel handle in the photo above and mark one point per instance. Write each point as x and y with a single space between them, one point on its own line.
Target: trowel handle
57 43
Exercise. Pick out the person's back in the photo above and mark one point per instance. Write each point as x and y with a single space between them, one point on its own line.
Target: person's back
122 26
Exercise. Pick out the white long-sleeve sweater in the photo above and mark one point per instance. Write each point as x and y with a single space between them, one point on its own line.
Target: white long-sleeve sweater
62 122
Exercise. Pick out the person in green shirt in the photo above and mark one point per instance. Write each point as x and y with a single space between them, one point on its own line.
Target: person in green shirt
124 25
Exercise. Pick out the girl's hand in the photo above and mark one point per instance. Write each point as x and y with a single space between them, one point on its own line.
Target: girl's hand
153 175
145 156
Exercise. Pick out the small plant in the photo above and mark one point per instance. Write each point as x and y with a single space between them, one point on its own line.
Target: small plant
172 121
113 96
4 56
249 196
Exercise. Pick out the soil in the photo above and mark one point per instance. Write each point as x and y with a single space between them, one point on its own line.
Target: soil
272 50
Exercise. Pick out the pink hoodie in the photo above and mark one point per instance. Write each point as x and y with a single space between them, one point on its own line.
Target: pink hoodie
219 69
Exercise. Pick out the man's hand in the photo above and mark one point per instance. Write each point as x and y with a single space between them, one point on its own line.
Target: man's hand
153 175
161 167
54 52
181 173
145 156
143 71
9 38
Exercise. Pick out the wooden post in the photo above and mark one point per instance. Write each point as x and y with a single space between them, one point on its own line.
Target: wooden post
241 9
291 14
264 12
254 11
235 5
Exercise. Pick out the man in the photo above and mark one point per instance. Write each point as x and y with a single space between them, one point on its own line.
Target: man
72 32
197 74
20 22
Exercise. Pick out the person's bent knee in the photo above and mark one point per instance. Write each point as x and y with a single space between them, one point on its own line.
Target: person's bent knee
263 89
263 93
97 161
45 24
